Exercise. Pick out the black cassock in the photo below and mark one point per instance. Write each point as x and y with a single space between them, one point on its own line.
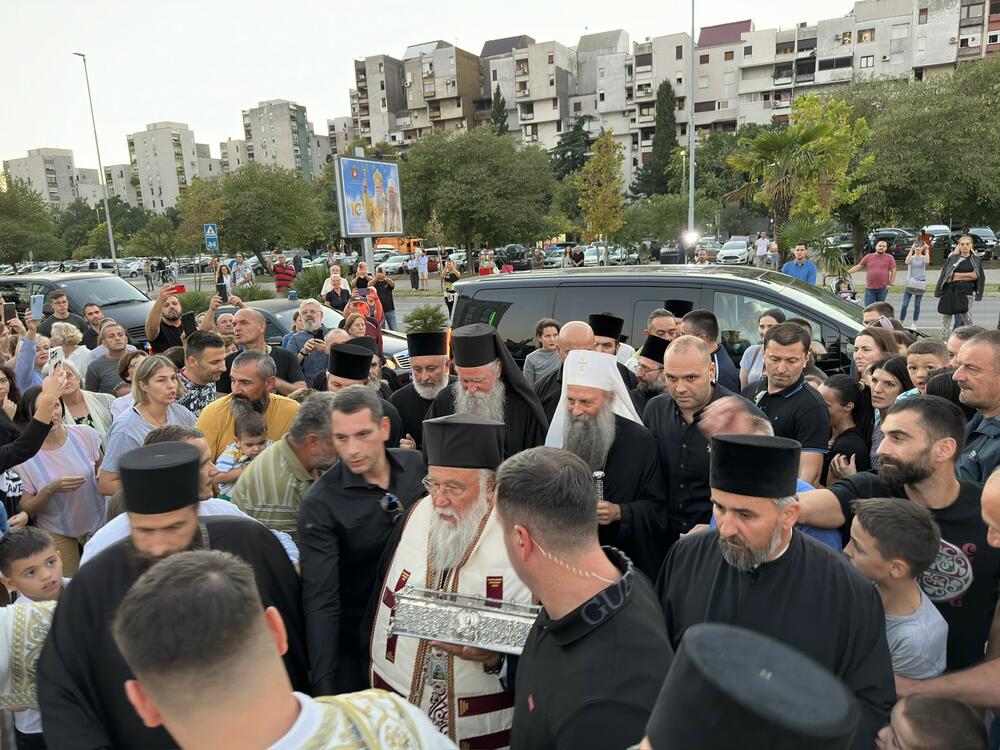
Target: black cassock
526 426
81 674
810 598
549 388
633 480
412 410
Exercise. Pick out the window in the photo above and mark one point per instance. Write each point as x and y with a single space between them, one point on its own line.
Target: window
728 55
600 74
840 62
558 126
703 82
737 314
679 52
577 106
494 72
728 78
383 103
555 104
644 60
680 80
381 68
921 45
680 103
866 35
703 59
972 11
381 85
747 51
845 38
600 96
868 61
993 38
552 58
922 16
552 81
969 40
683 128
784 48
994 7
704 106
901 31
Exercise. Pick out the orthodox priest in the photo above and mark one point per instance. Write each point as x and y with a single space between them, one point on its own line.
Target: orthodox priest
351 364
597 421
649 372
491 385
758 572
451 541
81 671
428 352
608 339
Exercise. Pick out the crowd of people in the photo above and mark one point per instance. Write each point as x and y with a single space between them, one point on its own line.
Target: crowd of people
756 555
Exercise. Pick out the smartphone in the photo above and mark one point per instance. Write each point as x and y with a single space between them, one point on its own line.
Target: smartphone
188 323
56 356
318 333
9 311
180 289
37 304
223 291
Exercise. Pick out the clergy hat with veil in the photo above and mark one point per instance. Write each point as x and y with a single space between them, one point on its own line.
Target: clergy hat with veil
594 370
730 687
160 478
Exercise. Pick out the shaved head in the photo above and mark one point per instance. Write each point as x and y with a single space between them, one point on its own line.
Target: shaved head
573 336
690 345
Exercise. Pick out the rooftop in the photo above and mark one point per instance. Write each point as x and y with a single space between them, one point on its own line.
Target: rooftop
503 46
724 33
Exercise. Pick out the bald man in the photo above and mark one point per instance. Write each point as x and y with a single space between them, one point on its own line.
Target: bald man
248 327
574 335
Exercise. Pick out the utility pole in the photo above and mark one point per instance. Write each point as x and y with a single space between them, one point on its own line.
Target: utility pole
691 113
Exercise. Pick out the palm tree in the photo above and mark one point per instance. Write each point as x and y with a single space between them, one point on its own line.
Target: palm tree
815 234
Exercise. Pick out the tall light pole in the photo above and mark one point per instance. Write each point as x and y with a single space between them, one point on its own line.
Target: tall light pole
691 90
100 167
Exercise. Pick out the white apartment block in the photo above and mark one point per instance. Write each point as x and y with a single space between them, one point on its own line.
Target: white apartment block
123 184
277 133
50 172
165 160
321 150
544 79
208 166
378 95
233 153
342 132
88 186
497 61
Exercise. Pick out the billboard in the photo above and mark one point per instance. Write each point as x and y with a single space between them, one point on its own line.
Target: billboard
368 197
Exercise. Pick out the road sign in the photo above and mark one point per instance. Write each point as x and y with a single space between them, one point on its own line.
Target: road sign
211 237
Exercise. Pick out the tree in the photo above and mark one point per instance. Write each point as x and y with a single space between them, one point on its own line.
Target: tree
570 154
158 239
652 177
201 203
325 186
74 223
600 184
498 115
26 225
426 319
815 234
97 243
434 232
662 217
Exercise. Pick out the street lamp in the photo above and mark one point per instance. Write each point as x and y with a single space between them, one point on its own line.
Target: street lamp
100 167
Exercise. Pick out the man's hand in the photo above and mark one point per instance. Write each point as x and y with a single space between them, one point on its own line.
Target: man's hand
166 291
236 302
408 442
315 345
489 658
17 520
905 686
52 389
608 513
727 416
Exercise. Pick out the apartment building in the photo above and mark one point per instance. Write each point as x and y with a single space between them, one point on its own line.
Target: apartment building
443 84
165 159
544 79
88 186
50 172
118 178
208 166
497 61
321 149
233 153
378 95
277 133
342 133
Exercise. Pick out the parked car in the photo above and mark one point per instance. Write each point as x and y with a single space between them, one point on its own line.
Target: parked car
737 295
553 257
623 256
989 240
592 256
710 246
670 254
395 264
515 256
381 255
736 251
899 241
979 243
461 259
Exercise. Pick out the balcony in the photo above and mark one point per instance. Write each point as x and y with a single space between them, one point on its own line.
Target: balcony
782 104
531 138
783 79
805 77
434 114
522 93
527 116
520 71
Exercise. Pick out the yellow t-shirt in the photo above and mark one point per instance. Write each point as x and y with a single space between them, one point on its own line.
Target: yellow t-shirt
218 423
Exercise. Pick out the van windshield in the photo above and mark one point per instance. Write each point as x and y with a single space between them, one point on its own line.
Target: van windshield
102 290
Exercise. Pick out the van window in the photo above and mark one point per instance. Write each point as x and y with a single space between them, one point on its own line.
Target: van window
738 313
513 312
633 303
16 292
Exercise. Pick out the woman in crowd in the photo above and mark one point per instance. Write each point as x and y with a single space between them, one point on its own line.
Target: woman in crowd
960 281
451 275
355 325
889 378
336 292
32 355
871 345
851 423
10 396
917 261
545 358
126 371
68 336
362 278
155 388
903 341
85 407
752 362
60 484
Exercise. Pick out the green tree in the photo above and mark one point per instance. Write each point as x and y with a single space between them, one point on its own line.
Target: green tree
662 217
97 243
653 176
266 207
325 186
202 203
74 223
434 232
815 234
600 184
26 226
426 319
159 239
570 154
498 115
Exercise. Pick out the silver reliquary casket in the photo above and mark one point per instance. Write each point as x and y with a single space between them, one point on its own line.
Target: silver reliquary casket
489 624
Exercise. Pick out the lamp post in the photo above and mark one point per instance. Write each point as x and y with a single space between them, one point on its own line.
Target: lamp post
100 167
691 156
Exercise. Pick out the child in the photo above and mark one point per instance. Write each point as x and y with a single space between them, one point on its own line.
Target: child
251 439
892 542
926 721
921 357
31 566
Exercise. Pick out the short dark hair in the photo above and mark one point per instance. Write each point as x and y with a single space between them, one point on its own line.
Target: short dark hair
199 341
703 323
355 398
882 308
177 662
929 346
773 312
788 334
173 433
939 417
91 304
896 366
176 356
941 383
904 338
550 491
20 543
902 529
943 722
544 323
806 325
964 333
56 294
250 424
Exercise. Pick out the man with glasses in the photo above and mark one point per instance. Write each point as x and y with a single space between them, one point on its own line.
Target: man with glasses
649 372
345 521
451 542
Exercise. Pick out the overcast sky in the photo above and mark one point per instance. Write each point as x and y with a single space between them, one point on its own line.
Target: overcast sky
202 62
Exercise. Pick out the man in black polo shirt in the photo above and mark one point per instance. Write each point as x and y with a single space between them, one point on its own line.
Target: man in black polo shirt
597 654
795 409
923 439
345 520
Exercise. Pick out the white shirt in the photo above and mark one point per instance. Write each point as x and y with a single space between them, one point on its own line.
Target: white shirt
762 245
119 527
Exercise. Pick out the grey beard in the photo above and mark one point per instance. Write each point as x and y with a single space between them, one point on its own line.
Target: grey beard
590 437
488 405
430 392
654 388
242 406
747 559
448 544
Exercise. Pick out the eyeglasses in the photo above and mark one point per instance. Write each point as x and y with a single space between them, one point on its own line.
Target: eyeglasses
643 369
450 491
391 505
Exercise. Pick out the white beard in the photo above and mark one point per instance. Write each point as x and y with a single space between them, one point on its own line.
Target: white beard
430 392
488 405
449 542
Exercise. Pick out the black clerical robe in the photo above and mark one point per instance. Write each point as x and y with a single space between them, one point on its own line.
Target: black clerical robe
549 388
525 428
809 598
81 674
412 408
633 481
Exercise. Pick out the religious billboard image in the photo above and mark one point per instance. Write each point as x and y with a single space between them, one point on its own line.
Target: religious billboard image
369 198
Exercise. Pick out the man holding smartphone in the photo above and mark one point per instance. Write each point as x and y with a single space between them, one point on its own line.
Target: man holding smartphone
308 345
163 324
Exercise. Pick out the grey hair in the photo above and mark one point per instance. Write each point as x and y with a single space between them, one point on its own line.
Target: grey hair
355 398
310 301
66 365
66 333
264 364
660 312
783 502
312 418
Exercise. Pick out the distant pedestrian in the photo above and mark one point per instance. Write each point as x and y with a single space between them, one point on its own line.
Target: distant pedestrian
451 275
284 275
423 266
762 250
414 273
297 262
917 261
880 274
383 288
147 273
801 267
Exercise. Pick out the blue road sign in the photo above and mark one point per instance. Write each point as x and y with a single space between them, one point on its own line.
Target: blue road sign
211 237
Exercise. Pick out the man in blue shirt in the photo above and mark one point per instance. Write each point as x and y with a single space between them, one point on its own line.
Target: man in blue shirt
308 344
801 268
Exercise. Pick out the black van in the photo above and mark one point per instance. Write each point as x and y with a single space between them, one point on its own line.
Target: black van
513 303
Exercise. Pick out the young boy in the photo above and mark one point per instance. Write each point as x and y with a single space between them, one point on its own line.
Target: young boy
893 541
31 566
921 357
251 439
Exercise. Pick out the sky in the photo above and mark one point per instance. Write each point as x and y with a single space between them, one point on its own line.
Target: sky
202 62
